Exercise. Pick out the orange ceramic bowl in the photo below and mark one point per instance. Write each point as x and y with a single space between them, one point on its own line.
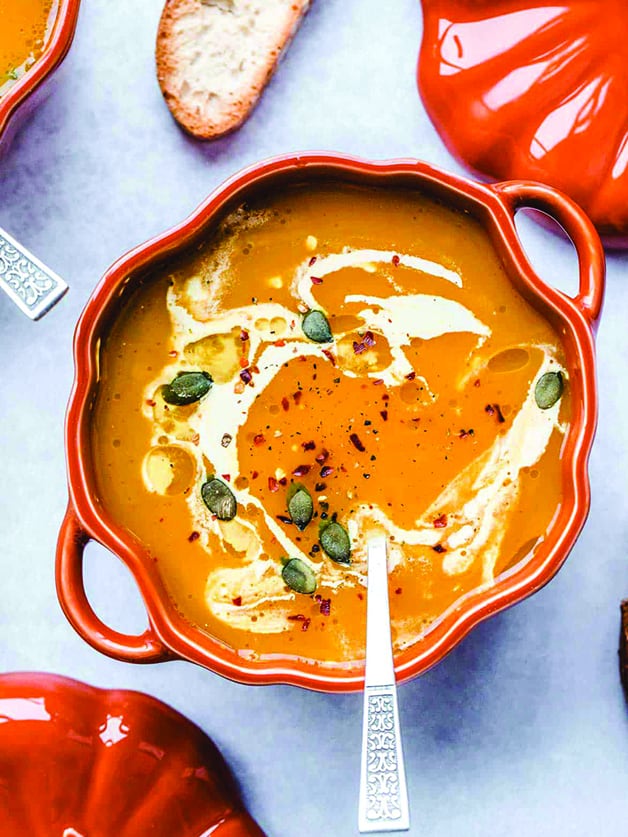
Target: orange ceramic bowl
79 760
22 97
169 635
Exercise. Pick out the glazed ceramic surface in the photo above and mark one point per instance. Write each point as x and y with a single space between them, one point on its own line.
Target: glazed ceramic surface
76 761
19 101
531 89
169 635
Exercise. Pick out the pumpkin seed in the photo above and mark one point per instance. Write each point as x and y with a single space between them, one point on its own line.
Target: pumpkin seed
299 576
219 499
548 389
316 327
186 388
336 543
300 505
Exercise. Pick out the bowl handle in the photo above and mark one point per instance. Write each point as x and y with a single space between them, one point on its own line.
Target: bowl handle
515 194
145 648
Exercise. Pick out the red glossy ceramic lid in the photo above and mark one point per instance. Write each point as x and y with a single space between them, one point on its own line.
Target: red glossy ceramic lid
76 761
536 90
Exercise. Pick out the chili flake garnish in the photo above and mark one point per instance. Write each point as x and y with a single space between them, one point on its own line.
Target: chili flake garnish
254 475
476 383
237 601
259 439
323 456
150 402
464 433
244 336
399 591
378 381
273 485
173 353
226 477
384 414
297 396
410 376
308 445
396 260
329 357
285 403
355 440
326 470
316 280
325 607
358 348
440 522
320 486
301 470
495 409
439 548
246 376
312 261
194 536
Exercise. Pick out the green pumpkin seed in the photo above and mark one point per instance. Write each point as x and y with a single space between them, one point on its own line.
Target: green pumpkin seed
219 499
300 505
186 388
548 389
316 327
299 576
336 543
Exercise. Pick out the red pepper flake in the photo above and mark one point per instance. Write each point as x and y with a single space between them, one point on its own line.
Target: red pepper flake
308 445
464 433
173 353
326 470
273 485
297 617
355 440
384 414
194 536
305 624
358 348
325 607
476 383
495 409
259 439
320 486
226 477
279 343
246 376
369 339
399 591
254 475
283 481
285 403
410 376
150 402
360 596
237 601
244 336
396 260
378 381
316 280
329 357
439 548
385 397
440 522
312 261
323 456
301 470
297 396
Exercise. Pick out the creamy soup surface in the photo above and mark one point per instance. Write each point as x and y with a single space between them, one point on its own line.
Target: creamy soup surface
362 365
24 27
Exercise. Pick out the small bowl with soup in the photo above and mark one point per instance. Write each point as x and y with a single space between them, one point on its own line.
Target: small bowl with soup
35 36
328 349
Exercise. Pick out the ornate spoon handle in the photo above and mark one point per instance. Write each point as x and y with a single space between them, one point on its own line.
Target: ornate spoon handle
383 802
30 284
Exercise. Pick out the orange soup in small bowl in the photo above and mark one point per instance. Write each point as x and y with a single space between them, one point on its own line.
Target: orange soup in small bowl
338 354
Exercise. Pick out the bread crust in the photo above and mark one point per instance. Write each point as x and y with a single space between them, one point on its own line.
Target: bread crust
234 113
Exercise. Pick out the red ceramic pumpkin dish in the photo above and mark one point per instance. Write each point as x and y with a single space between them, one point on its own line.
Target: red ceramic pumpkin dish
76 760
532 89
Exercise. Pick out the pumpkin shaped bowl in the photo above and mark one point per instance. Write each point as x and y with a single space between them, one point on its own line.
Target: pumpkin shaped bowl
170 634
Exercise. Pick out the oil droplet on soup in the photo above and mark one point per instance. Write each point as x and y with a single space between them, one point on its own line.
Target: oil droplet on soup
405 406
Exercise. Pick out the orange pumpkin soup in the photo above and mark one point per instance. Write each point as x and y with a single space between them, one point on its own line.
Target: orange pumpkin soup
330 362
24 26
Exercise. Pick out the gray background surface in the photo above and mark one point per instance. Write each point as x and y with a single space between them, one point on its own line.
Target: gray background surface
522 730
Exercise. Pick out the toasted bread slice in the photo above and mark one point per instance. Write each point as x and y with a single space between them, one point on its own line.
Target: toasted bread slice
214 57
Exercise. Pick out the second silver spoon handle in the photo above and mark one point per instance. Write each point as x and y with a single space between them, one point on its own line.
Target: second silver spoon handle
32 286
383 804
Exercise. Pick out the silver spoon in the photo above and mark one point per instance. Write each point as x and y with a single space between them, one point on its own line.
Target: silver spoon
383 802
32 286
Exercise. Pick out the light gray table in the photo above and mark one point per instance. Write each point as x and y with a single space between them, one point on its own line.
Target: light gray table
522 730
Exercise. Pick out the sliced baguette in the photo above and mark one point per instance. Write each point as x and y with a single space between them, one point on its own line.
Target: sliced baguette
214 58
